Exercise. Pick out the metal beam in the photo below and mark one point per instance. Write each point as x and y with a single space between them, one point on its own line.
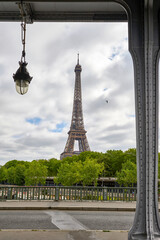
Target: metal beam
65 17
63 1
62 11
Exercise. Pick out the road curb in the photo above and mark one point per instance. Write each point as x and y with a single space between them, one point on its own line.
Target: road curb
70 208
68 205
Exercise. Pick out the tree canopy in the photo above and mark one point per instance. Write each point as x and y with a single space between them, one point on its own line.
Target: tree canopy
86 172
128 174
84 168
35 174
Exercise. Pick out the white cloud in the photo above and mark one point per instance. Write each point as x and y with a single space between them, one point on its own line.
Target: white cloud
51 53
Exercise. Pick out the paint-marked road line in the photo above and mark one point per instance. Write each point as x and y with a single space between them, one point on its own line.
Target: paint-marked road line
64 221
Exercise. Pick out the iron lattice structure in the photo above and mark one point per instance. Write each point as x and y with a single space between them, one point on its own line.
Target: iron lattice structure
77 131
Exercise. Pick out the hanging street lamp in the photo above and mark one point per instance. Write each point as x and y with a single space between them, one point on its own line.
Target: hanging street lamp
22 78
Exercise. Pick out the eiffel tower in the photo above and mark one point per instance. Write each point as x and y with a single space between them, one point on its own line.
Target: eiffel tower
77 131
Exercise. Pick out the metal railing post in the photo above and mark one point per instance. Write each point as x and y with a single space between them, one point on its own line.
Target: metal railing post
56 194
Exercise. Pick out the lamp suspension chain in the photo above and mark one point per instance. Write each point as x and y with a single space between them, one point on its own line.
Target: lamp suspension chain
23 38
23 29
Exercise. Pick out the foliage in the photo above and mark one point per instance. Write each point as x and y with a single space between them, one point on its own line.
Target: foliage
93 155
130 155
90 172
69 173
19 178
74 158
35 174
43 161
53 166
115 160
11 175
86 172
128 174
14 172
112 160
11 163
3 174
83 168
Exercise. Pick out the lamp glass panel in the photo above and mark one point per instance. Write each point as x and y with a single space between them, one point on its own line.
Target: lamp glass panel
22 86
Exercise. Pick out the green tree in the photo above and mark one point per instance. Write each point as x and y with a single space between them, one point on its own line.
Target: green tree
11 163
113 160
3 174
106 162
11 175
43 161
69 173
69 160
20 174
53 165
128 174
91 170
35 174
86 172
130 155
93 155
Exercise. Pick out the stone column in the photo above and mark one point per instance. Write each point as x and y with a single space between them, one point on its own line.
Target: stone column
143 20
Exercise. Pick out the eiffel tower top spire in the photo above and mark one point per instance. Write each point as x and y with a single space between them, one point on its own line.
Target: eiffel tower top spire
78 66
78 59
77 114
77 131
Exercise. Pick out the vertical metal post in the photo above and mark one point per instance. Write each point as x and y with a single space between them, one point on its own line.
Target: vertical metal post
129 192
144 44
57 194
33 192
50 193
117 194
81 194
112 194
22 193
2 192
75 194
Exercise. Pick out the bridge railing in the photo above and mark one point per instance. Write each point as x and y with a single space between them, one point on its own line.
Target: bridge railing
59 193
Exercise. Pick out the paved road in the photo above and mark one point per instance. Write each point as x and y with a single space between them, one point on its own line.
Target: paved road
66 220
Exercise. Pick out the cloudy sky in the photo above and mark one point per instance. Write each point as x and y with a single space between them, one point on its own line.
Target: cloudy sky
35 125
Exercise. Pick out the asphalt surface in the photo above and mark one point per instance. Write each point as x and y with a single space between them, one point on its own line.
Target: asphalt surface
42 231
102 220
66 220
25 220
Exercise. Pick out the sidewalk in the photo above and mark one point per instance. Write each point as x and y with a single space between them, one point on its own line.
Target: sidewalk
62 235
67 205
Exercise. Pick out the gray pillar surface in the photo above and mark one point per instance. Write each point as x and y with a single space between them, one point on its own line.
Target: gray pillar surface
143 20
